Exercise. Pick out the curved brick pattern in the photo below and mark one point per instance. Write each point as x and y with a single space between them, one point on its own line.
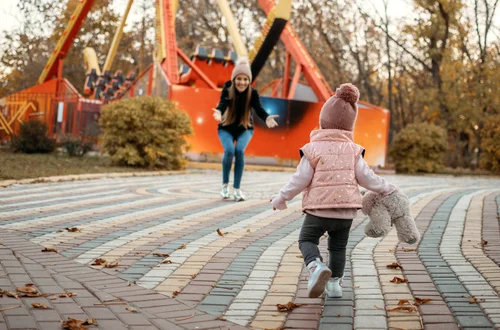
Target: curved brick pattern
491 227
470 278
234 281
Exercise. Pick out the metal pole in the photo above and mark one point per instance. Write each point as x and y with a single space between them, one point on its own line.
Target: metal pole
116 39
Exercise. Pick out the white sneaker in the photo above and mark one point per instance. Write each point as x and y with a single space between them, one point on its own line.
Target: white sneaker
334 287
318 278
238 195
224 193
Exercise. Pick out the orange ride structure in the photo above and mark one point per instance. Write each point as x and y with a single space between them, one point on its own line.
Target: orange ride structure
194 83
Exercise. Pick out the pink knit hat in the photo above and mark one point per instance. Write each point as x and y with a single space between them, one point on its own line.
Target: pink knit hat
340 111
242 67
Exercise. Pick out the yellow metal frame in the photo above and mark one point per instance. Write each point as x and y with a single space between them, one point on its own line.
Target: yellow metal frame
5 124
239 46
116 39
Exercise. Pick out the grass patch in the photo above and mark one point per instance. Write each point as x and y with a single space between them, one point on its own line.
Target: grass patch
16 166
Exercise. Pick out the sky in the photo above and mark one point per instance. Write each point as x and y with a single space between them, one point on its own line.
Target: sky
9 15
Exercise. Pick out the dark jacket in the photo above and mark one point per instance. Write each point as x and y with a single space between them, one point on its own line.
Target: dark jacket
235 128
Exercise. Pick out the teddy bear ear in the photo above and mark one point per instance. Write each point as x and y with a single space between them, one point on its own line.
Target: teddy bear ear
368 201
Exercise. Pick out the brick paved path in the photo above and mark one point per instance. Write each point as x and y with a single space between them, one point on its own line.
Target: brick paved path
236 280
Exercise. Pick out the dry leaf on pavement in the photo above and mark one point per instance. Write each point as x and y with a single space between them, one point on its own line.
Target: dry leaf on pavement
74 230
166 262
67 295
288 307
163 255
50 250
219 232
395 265
398 280
131 309
421 301
404 308
27 289
183 246
40 306
9 294
474 300
112 265
99 262
73 324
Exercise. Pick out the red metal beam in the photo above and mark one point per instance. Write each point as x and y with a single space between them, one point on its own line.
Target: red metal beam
295 81
66 40
286 77
196 69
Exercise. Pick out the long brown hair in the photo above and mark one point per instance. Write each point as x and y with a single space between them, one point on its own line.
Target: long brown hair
230 115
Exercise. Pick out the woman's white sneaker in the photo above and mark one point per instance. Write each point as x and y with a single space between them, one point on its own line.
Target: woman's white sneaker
334 287
318 278
238 195
224 193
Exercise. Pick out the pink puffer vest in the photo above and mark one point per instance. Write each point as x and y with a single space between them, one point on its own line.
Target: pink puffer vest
333 155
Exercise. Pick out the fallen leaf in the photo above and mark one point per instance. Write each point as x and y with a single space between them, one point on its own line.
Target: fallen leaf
99 262
74 230
40 306
131 309
53 298
404 308
194 276
184 318
356 287
409 250
248 230
59 231
166 262
398 280
163 255
288 307
483 242
183 246
300 256
67 295
395 265
175 293
338 315
9 294
219 232
112 265
474 300
403 301
73 324
220 318
50 250
90 321
421 301
29 284
27 289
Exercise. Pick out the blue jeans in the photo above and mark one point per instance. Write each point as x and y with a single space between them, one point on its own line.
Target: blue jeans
234 151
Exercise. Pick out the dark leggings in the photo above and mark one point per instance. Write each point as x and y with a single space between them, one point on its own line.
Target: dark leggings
338 233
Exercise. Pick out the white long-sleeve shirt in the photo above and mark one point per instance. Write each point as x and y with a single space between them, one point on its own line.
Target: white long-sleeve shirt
303 176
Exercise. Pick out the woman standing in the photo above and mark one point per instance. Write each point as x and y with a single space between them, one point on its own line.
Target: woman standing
234 114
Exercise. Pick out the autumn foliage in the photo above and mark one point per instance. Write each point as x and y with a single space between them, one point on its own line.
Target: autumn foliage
145 132
419 148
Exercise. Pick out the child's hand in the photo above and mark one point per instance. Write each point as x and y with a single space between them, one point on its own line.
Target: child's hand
217 115
279 203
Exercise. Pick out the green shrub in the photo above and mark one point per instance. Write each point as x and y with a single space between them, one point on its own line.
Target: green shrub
145 132
75 145
419 148
32 138
490 144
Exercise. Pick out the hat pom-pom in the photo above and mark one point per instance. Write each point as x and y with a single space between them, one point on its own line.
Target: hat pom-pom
348 93
242 60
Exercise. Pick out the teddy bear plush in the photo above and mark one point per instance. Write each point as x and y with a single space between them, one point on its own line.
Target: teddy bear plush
386 211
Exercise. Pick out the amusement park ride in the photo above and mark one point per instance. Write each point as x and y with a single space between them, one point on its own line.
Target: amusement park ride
195 87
